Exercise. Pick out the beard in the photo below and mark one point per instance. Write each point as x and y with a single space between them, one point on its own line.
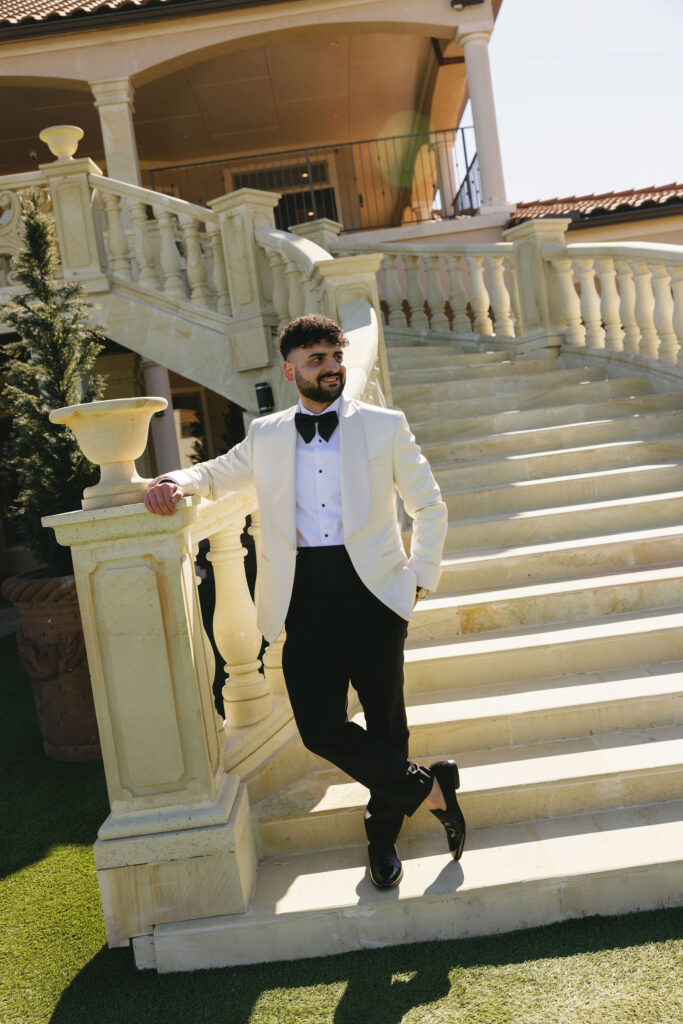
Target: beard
320 390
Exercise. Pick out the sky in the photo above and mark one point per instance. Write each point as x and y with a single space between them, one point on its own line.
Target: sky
589 95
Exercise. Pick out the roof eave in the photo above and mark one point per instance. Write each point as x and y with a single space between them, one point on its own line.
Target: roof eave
82 21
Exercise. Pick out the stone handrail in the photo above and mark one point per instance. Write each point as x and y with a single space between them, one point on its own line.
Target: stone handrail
461 289
305 278
621 297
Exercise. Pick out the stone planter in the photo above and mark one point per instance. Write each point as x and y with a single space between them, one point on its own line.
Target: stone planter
52 654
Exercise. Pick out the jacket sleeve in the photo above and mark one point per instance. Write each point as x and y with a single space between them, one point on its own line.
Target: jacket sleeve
422 500
212 479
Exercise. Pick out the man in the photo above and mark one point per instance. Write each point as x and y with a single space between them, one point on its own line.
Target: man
333 570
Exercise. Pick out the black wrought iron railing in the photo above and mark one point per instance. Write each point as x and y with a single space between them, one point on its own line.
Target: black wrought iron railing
372 183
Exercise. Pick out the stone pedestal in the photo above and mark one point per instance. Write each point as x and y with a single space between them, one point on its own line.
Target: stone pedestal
539 295
240 214
177 844
75 227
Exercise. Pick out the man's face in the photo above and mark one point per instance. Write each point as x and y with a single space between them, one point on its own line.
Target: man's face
318 371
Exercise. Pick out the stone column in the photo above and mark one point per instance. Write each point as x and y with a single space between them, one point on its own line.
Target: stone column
114 102
240 213
163 426
475 43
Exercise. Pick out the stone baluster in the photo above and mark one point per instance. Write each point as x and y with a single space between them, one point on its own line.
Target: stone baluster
627 306
272 657
609 304
415 292
280 289
457 296
664 311
246 696
590 304
569 301
500 298
117 241
677 293
479 296
194 262
168 255
310 296
644 310
144 253
220 278
392 291
296 291
509 264
436 299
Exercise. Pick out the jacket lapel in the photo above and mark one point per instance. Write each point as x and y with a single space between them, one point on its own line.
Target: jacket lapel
282 493
355 471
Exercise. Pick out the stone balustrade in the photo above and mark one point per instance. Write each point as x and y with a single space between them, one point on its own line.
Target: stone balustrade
625 297
163 244
460 289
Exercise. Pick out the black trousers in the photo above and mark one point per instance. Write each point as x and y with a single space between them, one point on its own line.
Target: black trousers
338 633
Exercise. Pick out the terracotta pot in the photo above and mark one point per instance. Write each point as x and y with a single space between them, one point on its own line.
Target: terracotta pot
52 654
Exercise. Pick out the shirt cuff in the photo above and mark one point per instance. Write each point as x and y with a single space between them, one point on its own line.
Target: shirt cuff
427 574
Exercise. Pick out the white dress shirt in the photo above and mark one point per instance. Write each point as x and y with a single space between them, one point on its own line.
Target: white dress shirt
317 473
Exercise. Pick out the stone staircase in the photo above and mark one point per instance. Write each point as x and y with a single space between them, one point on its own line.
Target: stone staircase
550 664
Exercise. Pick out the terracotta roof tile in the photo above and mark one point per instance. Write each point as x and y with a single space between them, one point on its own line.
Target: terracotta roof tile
597 205
16 12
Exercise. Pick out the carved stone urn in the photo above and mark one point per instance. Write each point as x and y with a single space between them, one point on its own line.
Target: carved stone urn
112 434
52 654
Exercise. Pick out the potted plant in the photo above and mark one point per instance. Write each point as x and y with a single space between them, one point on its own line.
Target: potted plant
49 365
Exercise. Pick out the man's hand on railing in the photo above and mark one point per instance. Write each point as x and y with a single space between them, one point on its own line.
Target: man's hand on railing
162 496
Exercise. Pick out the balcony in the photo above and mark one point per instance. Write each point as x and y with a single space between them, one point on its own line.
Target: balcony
374 183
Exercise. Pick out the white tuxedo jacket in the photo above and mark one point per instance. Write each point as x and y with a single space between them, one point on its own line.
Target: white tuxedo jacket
378 457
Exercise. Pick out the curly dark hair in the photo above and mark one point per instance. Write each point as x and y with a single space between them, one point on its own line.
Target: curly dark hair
309 330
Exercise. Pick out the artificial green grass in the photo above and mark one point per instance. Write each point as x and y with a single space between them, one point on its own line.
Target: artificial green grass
55 966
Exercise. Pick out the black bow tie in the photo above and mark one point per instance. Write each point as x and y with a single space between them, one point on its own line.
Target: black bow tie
327 423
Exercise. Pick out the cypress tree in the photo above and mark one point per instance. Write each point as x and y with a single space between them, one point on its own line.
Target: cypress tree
49 365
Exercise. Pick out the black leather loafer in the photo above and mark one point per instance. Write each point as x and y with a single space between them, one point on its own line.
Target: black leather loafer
452 819
386 869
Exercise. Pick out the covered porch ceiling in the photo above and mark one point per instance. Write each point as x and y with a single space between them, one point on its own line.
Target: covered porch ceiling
316 89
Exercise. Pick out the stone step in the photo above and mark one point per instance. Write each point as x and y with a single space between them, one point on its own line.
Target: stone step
443 617
510 876
572 489
401 359
537 652
636 428
481 569
505 714
498 787
616 515
414 396
574 409
560 462
463 409
444 372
